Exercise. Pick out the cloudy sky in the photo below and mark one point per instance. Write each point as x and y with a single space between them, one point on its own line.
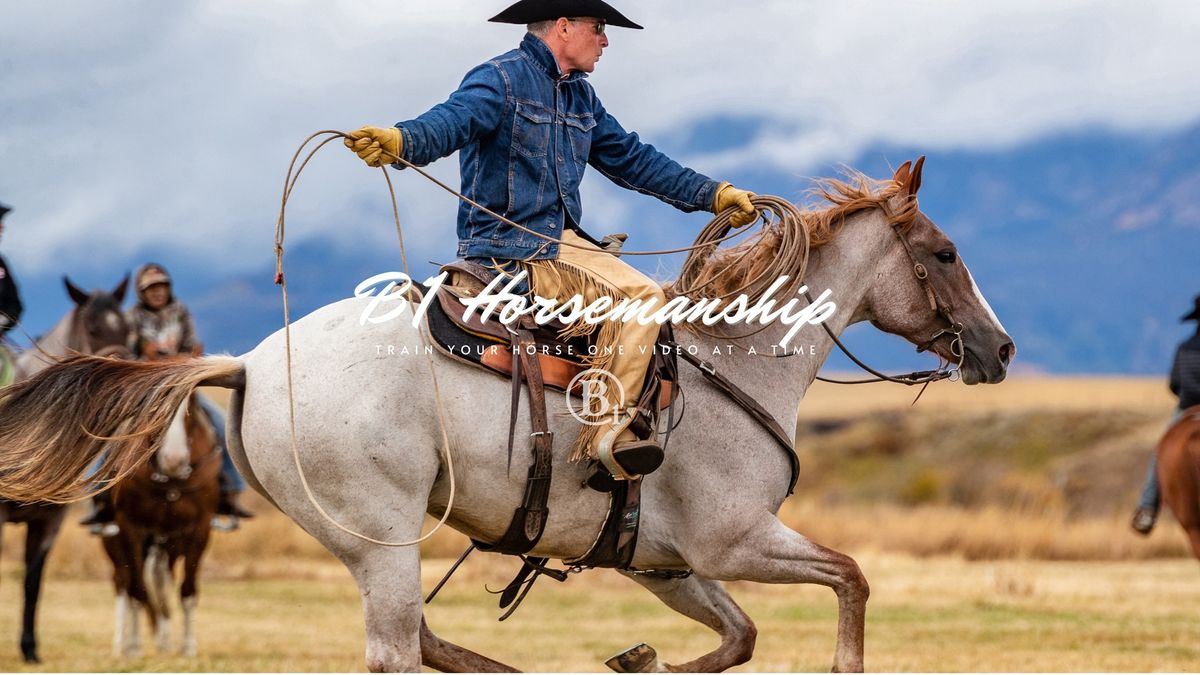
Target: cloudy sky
130 125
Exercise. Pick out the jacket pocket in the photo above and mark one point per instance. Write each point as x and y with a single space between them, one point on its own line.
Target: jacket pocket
579 131
532 127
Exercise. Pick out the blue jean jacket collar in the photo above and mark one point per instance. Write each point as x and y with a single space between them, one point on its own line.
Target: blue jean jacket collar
534 49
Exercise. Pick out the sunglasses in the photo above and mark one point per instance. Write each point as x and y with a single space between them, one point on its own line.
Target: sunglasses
598 25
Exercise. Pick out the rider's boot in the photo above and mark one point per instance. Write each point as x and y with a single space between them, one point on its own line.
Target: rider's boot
1144 519
102 511
625 458
228 506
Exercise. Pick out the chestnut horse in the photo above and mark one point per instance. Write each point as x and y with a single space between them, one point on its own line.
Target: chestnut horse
164 512
95 325
1179 473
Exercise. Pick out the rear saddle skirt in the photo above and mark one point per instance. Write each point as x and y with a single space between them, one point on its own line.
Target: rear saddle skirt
489 344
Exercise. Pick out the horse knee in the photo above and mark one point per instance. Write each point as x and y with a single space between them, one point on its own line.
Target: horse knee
853 583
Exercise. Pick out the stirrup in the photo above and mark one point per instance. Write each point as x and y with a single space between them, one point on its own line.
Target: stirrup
634 458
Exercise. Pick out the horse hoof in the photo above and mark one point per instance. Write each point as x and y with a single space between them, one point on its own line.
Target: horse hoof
31 658
640 658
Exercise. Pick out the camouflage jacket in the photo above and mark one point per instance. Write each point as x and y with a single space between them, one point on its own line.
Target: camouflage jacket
165 332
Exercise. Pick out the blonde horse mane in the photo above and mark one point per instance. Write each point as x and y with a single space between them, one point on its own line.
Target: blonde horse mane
783 245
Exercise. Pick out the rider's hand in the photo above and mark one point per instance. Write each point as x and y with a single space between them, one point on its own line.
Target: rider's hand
151 350
730 197
370 143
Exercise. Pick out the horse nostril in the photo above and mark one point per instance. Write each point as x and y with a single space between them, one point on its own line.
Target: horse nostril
1007 352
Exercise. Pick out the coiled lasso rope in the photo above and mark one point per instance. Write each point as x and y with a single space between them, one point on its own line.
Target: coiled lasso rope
790 226
413 294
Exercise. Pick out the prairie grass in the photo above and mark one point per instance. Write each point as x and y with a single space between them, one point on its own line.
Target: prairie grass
990 522
932 614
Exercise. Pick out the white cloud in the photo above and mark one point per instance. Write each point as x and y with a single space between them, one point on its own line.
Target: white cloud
127 123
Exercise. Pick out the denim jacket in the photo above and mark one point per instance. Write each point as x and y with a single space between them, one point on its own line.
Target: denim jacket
526 133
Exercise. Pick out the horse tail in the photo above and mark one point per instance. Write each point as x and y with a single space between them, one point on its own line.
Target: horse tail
55 424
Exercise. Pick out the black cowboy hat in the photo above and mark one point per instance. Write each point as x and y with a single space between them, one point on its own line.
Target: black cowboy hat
1195 313
533 11
4 211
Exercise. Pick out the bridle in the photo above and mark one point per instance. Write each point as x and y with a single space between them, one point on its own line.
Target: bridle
950 370
84 339
175 486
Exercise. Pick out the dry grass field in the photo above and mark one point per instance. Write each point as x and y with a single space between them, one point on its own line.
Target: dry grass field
938 614
990 521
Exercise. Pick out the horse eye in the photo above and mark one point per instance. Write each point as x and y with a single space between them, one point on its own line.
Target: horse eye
947 257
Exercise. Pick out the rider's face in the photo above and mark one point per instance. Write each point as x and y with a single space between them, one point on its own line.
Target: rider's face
583 41
157 296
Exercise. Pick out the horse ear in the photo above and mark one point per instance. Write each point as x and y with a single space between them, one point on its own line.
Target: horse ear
901 175
914 181
119 291
77 296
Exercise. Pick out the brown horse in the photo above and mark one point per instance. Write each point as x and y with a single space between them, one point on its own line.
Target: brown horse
1179 472
95 325
164 512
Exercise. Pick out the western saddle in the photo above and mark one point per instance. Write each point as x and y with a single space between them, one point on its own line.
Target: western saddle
534 354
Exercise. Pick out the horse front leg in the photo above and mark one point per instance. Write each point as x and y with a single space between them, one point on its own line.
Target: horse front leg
189 592
157 573
125 551
448 657
707 602
39 537
775 554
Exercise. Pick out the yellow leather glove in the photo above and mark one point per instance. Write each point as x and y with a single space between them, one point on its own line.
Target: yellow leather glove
728 197
370 143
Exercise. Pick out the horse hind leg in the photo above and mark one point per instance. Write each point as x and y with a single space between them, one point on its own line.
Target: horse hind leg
389 582
39 537
448 657
398 639
707 602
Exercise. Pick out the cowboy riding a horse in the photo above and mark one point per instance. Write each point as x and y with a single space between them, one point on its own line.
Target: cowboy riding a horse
358 442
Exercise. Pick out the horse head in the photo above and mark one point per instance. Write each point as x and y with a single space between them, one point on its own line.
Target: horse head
190 441
930 297
98 325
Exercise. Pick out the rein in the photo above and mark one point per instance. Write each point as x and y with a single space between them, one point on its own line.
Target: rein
790 227
921 377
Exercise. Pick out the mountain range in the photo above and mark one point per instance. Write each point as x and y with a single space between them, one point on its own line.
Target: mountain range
1087 245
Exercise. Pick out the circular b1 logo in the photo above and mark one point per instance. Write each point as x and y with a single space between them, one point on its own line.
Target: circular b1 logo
597 387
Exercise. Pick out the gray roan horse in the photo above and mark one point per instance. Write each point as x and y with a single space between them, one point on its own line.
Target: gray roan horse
94 326
369 437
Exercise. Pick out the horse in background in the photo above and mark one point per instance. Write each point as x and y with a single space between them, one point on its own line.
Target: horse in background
1179 473
164 512
95 325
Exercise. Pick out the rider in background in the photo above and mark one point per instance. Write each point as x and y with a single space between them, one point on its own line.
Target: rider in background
1185 383
161 327
10 299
